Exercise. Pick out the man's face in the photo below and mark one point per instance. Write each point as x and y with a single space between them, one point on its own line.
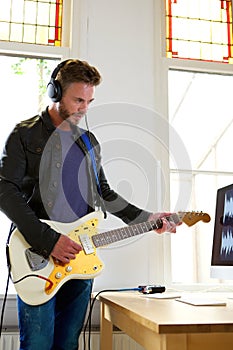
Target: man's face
75 102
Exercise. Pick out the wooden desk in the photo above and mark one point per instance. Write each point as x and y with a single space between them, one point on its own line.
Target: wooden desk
166 324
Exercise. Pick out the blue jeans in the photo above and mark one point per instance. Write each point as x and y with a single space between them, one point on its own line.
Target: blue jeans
57 324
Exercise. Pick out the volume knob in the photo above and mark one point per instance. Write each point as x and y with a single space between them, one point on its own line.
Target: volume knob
58 275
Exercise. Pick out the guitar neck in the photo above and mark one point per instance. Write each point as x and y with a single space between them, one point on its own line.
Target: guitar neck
106 238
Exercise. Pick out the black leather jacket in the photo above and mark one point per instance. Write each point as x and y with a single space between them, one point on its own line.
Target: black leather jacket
21 170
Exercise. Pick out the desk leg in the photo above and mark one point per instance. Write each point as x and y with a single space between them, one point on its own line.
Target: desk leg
106 330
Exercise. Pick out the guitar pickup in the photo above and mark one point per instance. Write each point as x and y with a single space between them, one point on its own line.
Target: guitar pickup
86 243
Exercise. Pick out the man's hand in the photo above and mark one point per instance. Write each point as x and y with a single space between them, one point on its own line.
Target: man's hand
168 226
65 249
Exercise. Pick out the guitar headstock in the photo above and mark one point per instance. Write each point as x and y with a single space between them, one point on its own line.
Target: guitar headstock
192 217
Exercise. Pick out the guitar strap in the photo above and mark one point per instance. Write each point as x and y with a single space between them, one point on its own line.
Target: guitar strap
87 142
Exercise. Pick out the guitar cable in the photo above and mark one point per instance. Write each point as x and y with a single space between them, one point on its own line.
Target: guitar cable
92 302
8 278
4 303
144 289
37 276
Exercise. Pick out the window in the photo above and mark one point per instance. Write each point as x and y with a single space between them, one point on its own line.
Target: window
31 21
198 29
199 74
23 95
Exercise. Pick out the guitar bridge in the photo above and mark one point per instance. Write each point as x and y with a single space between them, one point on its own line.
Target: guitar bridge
86 243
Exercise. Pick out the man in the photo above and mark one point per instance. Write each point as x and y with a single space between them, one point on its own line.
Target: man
47 172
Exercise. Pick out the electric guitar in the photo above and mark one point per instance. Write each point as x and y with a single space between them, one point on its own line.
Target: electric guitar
37 279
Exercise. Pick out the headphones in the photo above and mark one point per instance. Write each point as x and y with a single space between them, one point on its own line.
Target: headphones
54 88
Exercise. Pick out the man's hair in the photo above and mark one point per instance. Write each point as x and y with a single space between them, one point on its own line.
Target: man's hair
76 71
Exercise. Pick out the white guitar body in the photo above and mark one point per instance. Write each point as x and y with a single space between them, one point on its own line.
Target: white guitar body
35 290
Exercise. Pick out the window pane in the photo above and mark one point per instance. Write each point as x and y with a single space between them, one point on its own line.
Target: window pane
4 31
16 32
16 12
30 13
42 35
29 34
5 11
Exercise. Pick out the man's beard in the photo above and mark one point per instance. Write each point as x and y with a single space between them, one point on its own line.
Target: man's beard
66 116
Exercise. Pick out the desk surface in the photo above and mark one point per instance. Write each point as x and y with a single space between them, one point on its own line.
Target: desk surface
165 316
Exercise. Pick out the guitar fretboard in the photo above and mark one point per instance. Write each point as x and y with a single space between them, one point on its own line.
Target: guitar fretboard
116 235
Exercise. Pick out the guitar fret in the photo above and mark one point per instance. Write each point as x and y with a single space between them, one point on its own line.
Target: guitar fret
116 235
152 225
146 226
124 234
109 238
137 230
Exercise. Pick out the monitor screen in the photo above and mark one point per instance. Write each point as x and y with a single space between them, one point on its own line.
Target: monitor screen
222 250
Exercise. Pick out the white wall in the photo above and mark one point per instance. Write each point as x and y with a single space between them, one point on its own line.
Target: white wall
120 42
118 37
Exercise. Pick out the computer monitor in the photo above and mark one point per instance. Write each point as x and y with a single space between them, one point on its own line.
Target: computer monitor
222 250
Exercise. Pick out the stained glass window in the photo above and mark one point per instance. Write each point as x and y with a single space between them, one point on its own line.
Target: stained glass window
199 29
31 21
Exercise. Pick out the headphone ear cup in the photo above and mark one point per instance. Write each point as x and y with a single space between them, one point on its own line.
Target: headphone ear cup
54 90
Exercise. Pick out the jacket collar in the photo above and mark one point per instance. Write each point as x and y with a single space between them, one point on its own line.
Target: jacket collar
47 120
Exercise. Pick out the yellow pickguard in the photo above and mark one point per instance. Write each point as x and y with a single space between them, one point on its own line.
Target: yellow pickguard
84 266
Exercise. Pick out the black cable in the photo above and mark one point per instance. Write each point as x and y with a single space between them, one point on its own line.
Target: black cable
4 303
88 321
12 227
